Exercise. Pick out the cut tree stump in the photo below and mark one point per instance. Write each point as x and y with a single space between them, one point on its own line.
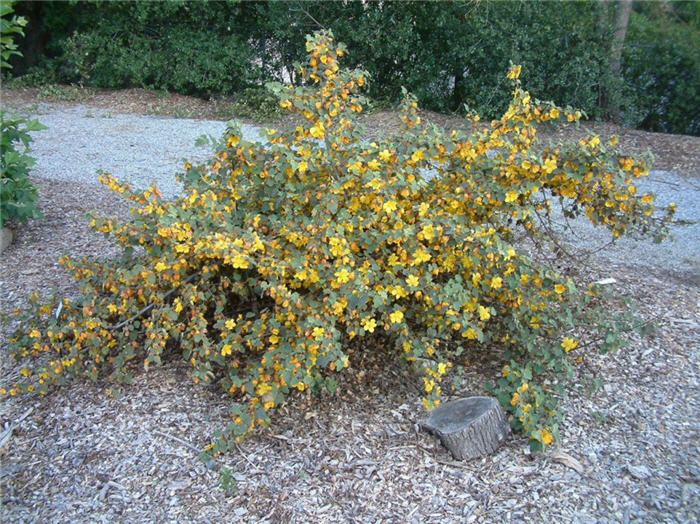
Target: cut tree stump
5 238
469 427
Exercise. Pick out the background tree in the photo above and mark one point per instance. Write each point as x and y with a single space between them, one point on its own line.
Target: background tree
634 61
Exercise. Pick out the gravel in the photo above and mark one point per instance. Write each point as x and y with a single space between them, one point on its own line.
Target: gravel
143 149
678 255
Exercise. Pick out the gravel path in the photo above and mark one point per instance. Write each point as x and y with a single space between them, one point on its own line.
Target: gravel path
144 149
678 255
80 141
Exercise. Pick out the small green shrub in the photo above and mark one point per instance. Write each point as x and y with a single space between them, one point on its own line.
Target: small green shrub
35 77
257 104
18 195
282 261
60 93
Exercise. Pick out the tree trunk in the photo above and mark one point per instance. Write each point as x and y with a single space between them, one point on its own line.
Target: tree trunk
622 16
602 16
32 45
469 427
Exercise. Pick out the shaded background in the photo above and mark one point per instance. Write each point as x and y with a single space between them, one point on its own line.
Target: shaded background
447 53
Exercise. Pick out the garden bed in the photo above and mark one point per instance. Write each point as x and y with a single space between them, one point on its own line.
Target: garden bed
91 451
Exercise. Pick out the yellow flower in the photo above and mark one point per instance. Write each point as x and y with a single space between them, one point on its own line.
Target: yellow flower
484 313
420 255
339 306
373 164
559 288
302 167
342 275
230 323
428 232
385 155
318 131
626 163
511 196
423 209
550 165
396 316
368 323
442 368
375 183
514 399
389 206
355 166
34 333
318 332
496 282
418 154
398 291
469 334
263 388
161 267
412 280
240 262
569 343
546 437
178 305
226 350
514 72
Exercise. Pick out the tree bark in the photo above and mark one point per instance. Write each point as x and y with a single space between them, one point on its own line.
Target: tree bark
602 16
469 427
622 16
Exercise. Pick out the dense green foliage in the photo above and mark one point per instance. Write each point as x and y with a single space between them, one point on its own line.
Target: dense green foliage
18 195
189 47
282 261
9 28
447 53
663 72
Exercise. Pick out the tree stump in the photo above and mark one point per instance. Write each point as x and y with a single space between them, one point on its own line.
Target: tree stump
5 238
469 427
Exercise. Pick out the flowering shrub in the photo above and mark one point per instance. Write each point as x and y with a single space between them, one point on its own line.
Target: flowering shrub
280 256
